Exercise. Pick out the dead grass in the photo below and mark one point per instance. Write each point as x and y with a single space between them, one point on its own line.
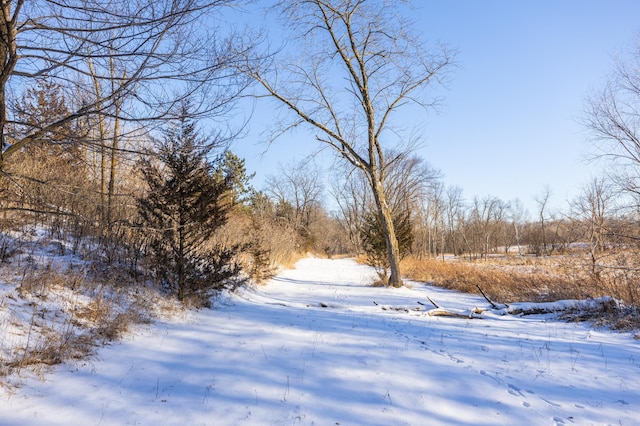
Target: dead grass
71 315
509 279
37 282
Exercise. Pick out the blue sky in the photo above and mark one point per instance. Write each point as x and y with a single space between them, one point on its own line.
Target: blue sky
509 124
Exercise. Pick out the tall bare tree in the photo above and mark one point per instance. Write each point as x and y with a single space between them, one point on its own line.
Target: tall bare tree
361 64
455 207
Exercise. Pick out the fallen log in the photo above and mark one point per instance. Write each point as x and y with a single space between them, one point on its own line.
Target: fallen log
522 309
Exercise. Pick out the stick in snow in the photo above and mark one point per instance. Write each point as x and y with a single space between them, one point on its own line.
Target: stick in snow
493 305
432 302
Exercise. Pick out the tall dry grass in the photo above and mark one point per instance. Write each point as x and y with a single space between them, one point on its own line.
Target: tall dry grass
514 278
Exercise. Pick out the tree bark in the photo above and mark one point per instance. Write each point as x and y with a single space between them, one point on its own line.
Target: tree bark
9 58
384 212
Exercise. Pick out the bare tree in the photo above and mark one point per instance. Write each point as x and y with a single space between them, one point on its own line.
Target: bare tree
298 185
351 192
108 142
368 48
593 208
613 117
518 218
410 180
486 216
430 231
159 56
455 215
543 200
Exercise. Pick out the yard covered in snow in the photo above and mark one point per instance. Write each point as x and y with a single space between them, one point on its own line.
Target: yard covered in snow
312 347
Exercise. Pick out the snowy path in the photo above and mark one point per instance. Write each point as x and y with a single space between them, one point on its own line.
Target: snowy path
275 356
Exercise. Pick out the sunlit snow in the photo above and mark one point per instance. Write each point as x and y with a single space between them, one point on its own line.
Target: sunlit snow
312 348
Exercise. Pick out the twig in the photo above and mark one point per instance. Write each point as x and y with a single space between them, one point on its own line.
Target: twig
286 392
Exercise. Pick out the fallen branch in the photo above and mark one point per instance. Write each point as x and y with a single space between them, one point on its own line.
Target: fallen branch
430 300
493 305
454 313
433 303
522 309
442 312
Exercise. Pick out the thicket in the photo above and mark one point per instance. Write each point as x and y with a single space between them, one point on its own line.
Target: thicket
177 211
112 236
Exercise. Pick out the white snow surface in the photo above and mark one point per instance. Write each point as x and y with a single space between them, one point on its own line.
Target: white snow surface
311 348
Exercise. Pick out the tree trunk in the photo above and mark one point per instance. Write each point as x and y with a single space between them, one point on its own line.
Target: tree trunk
113 167
103 148
393 251
9 57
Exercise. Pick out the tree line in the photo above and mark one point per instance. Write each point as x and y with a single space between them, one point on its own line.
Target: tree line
103 107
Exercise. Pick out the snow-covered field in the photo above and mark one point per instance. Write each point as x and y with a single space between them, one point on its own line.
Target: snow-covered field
311 347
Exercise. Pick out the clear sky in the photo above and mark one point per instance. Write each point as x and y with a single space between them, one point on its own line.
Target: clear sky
509 124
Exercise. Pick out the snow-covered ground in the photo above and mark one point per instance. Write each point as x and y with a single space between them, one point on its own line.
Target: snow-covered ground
312 348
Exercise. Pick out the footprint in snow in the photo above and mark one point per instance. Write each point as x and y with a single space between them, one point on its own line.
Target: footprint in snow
559 421
553 404
515 391
484 373
455 359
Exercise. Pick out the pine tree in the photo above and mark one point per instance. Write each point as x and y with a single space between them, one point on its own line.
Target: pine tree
233 169
185 204
374 244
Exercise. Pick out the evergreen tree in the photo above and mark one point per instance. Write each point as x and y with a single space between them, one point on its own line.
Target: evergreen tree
373 241
232 169
185 204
